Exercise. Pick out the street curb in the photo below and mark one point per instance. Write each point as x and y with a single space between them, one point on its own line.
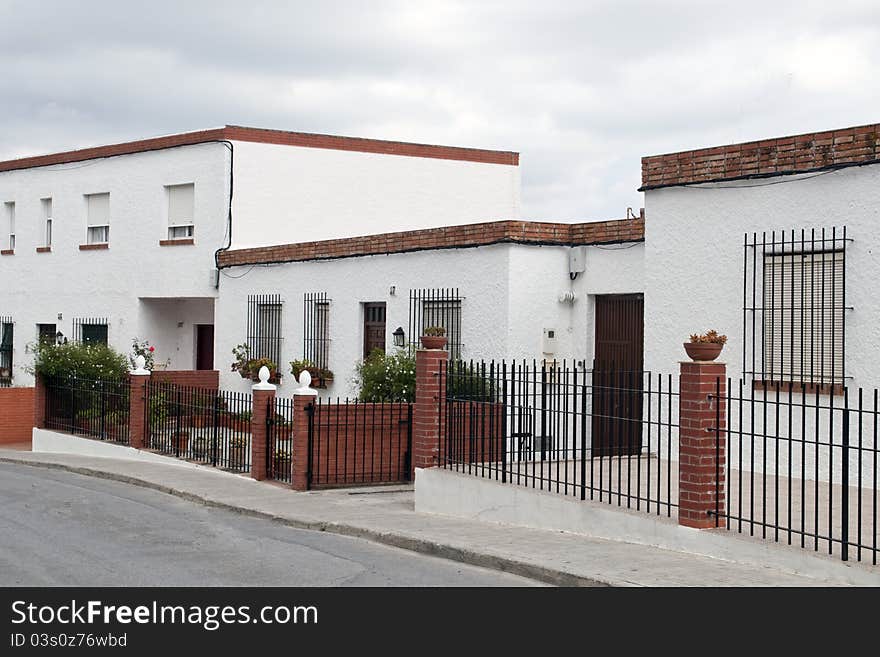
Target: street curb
421 546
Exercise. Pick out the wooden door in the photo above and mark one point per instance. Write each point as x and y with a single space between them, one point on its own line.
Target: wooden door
204 346
617 374
374 327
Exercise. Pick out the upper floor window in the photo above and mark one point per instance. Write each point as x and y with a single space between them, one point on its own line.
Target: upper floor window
9 212
98 210
46 205
181 211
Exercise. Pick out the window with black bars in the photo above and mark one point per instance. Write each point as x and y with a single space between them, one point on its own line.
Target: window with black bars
6 335
436 307
316 327
794 301
90 330
264 336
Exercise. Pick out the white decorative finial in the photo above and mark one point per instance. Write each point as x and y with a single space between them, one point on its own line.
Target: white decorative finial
140 366
305 380
264 384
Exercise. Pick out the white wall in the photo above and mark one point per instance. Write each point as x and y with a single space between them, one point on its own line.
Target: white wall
287 194
35 288
171 323
510 293
694 259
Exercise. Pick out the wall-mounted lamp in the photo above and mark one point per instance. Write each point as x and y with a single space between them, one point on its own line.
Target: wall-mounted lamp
59 338
392 290
59 317
399 336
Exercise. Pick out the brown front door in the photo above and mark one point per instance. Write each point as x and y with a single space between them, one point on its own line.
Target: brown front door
617 374
204 346
374 327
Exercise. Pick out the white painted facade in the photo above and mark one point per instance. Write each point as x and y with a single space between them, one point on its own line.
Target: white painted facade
288 194
35 288
510 295
694 259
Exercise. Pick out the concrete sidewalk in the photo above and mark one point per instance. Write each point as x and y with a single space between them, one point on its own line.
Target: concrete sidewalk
386 515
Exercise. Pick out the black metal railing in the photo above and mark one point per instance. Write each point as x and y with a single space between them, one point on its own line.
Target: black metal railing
200 424
354 443
801 468
279 440
316 329
99 409
597 434
436 307
264 322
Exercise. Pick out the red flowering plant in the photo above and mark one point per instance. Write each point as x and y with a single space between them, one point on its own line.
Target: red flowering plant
145 349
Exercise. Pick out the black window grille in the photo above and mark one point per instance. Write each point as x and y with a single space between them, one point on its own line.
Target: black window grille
794 300
90 330
436 307
46 333
6 335
316 327
264 335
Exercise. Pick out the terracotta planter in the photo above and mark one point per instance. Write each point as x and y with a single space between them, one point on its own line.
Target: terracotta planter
433 341
180 441
703 350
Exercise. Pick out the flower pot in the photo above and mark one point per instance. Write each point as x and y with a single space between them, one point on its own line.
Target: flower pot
433 341
703 350
180 441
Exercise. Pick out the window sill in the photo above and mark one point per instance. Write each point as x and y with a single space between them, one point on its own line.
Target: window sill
94 247
44 249
798 386
7 252
185 241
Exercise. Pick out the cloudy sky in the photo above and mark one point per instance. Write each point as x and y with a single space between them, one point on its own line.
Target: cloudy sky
581 89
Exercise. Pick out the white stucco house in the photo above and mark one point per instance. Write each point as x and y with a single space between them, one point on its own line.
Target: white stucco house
121 241
774 243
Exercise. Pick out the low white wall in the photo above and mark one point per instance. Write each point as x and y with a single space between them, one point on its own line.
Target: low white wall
65 443
444 492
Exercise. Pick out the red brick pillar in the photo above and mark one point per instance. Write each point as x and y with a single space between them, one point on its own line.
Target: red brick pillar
263 400
138 429
428 437
303 398
702 445
39 402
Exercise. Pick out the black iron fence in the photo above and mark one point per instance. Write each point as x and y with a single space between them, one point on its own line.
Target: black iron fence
354 443
200 424
802 467
99 409
597 434
279 440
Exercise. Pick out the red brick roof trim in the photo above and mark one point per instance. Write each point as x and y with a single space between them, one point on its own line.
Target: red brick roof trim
448 237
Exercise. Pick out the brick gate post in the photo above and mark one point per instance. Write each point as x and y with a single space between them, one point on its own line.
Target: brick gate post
263 396
300 449
39 402
428 430
138 428
702 444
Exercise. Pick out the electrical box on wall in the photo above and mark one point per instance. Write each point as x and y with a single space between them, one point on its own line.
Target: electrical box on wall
548 342
577 259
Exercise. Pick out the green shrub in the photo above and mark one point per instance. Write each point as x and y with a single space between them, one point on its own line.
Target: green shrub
96 362
387 377
468 382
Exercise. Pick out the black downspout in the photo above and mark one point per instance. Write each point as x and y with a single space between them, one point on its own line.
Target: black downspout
229 145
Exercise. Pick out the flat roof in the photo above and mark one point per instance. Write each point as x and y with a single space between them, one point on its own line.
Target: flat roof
268 136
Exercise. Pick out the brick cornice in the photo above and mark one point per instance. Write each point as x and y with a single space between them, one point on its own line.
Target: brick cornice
266 136
447 237
769 157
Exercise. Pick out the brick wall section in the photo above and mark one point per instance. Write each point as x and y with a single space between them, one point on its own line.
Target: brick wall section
259 433
137 403
17 412
39 402
359 443
299 479
702 450
263 136
428 429
794 154
468 236
191 378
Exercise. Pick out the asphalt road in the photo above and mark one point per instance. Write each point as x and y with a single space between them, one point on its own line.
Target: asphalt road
63 529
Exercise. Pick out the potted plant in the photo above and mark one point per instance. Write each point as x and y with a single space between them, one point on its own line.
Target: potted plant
241 364
706 346
280 461
320 376
257 363
434 337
